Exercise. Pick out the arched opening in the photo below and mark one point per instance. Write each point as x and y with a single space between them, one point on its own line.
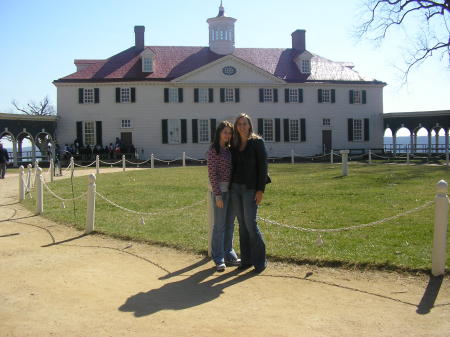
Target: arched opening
26 148
403 140
420 135
387 140
438 140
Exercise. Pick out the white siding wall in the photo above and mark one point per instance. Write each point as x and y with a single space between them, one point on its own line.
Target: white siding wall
148 111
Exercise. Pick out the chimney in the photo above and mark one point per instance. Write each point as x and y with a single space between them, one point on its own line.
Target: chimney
298 40
139 37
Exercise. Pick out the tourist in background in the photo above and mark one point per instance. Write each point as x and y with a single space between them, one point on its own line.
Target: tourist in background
248 183
4 158
219 172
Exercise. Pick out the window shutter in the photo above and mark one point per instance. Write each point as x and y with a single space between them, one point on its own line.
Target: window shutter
212 125
364 97
261 95
133 95
237 97
166 95
350 129
303 130
194 131
319 95
277 129
222 95
300 95
196 95
275 95
351 96
180 95
80 133
366 129
98 132
165 138
117 95
333 96
260 126
286 129
183 131
97 95
80 95
211 95
286 95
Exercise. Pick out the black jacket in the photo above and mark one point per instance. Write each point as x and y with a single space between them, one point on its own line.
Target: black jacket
4 157
255 164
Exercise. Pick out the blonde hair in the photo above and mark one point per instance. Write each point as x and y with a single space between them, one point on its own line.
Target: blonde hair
236 136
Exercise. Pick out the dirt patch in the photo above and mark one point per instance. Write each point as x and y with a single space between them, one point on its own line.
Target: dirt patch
57 282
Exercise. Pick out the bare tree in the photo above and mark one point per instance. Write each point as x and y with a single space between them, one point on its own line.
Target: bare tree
42 108
431 21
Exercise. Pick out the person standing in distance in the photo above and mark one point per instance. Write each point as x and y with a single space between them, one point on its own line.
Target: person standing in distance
4 158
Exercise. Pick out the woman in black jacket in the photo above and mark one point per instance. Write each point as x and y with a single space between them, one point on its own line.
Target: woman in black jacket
248 181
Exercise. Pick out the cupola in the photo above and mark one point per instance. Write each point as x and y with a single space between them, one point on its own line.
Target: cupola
221 33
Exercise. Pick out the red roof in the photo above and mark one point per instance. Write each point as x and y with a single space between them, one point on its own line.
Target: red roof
173 62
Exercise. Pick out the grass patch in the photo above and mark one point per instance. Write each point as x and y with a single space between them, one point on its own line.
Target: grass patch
307 195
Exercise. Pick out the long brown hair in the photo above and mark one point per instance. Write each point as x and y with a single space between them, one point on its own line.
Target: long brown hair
236 137
216 142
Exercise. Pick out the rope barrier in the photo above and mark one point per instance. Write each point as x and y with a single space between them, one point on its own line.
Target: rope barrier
60 198
167 161
199 160
134 163
114 163
331 230
77 165
148 213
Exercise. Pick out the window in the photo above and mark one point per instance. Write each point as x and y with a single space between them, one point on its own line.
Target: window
88 96
267 95
173 95
203 95
89 133
326 97
147 64
358 97
126 124
326 122
125 95
294 130
203 130
268 133
358 130
229 95
174 131
293 95
306 66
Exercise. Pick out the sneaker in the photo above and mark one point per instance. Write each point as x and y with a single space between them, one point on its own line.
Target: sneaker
220 267
233 263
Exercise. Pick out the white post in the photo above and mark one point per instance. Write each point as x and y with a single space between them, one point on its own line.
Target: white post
123 163
72 165
332 157
152 161
407 157
15 161
370 157
210 211
97 164
438 255
90 209
21 184
29 177
52 169
292 156
39 192
344 154
184 159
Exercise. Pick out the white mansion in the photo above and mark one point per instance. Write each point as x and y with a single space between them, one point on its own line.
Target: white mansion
168 99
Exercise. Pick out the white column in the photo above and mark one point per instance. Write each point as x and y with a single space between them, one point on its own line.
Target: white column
15 161
438 255
429 143
370 157
394 143
97 164
21 184
415 142
33 151
152 161
411 142
210 211
39 192
292 156
436 137
184 159
344 154
123 163
90 209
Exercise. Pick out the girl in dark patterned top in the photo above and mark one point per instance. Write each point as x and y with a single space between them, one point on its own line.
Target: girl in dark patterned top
219 172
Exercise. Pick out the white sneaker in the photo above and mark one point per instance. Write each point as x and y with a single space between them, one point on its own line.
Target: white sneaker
220 267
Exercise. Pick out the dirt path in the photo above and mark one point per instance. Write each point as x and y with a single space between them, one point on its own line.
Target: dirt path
56 282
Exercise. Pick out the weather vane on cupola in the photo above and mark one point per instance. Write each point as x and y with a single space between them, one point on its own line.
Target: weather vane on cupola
221 10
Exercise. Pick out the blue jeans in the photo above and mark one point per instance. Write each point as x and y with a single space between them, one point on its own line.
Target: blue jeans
222 235
253 248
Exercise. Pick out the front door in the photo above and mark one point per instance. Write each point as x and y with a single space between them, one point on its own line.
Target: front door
326 141
127 140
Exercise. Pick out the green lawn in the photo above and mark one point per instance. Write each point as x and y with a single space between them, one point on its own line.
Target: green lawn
307 195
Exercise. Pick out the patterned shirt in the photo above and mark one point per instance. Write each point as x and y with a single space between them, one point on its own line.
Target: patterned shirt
219 168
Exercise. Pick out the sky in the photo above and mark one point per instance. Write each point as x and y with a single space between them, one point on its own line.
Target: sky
41 39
